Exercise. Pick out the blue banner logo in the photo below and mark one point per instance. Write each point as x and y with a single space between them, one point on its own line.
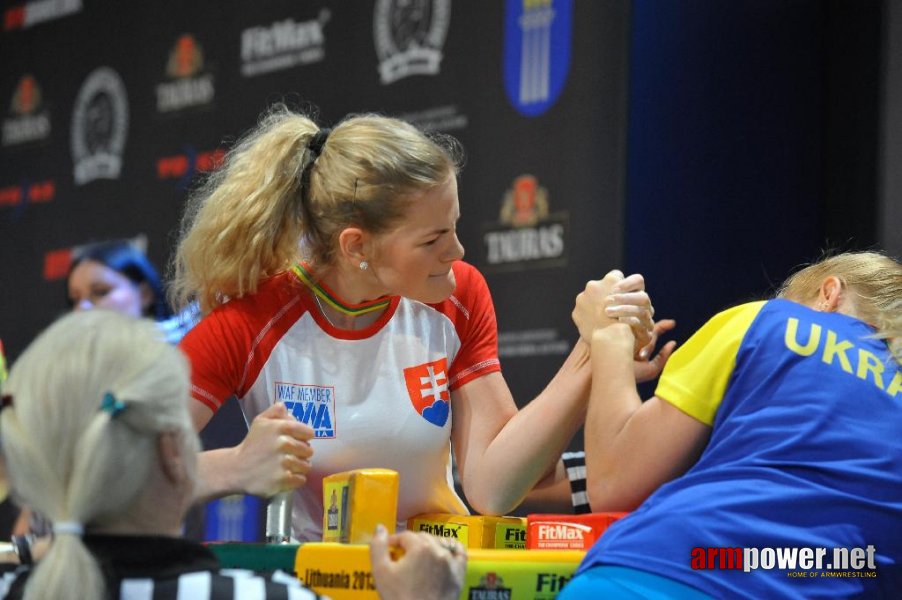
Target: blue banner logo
537 38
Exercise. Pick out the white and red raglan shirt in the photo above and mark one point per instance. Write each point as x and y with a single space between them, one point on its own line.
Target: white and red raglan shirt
376 398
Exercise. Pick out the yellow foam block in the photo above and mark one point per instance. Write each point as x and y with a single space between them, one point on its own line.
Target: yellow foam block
474 531
343 571
354 502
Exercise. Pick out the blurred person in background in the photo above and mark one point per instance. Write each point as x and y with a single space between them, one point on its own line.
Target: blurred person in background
117 276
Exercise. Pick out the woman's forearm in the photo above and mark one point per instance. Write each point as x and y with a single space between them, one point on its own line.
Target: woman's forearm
528 447
214 475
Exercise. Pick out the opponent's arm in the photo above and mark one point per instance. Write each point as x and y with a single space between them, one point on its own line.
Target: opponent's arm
552 494
631 447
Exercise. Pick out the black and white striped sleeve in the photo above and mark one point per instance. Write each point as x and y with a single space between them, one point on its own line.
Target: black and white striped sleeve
6 581
227 584
575 465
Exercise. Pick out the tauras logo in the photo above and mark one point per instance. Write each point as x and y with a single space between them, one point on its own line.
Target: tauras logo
491 587
189 87
490 594
99 126
518 245
26 129
185 93
283 44
26 123
527 233
409 36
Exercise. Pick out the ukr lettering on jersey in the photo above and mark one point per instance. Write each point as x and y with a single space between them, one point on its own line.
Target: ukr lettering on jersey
313 405
811 339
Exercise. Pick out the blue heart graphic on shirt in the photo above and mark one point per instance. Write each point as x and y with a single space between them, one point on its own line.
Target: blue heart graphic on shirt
437 414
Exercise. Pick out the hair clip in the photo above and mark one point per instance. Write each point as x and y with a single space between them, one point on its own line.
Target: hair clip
112 405
6 400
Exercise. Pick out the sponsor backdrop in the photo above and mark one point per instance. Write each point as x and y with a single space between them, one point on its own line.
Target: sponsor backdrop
112 110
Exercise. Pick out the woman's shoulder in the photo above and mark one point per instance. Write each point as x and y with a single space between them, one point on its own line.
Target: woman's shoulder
277 298
270 297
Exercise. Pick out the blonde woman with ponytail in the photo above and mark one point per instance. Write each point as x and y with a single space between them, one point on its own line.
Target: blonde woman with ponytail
771 448
341 315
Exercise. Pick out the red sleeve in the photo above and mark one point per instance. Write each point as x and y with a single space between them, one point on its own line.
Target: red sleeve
215 347
230 346
471 310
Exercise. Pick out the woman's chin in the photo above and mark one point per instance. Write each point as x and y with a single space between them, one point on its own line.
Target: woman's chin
438 289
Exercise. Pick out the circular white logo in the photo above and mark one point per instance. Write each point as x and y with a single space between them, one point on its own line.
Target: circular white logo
99 126
409 36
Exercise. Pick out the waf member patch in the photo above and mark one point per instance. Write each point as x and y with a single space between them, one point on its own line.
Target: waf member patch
427 386
313 405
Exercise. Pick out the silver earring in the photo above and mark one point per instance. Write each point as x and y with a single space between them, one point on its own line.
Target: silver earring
364 265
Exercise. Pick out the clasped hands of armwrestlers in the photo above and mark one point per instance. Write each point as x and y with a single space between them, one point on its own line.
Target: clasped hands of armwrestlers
617 299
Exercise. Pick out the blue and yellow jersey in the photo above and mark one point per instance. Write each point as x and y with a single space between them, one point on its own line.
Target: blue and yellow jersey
805 451
696 377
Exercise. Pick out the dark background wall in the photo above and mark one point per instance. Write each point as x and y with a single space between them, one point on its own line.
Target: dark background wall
753 141
890 132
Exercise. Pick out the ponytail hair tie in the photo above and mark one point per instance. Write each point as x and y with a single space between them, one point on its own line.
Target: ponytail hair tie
69 528
316 143
112 405
314 147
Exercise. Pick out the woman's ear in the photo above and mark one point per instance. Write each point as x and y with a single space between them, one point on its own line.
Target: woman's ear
830 295
170 451
353 243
